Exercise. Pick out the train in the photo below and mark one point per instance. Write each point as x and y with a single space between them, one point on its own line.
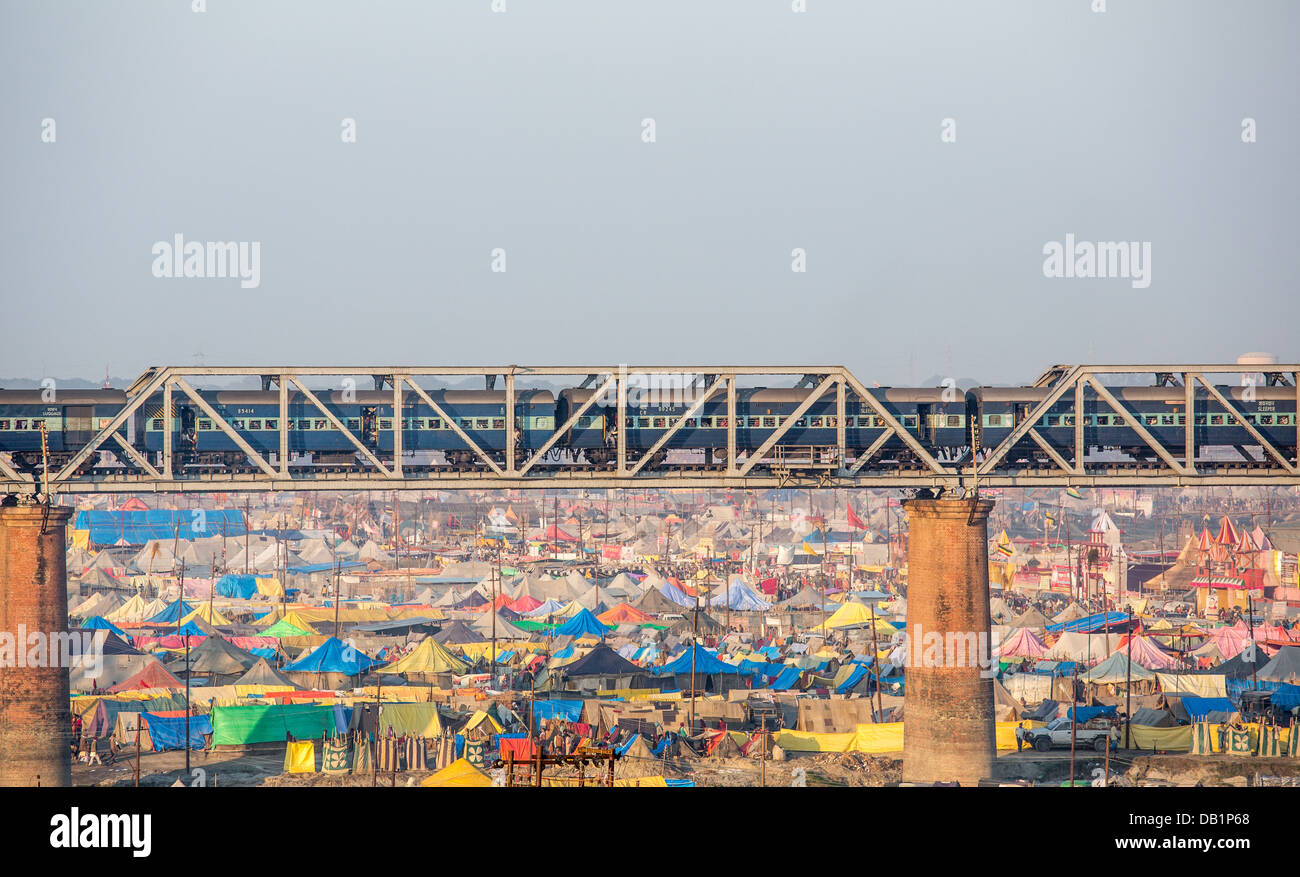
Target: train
946 421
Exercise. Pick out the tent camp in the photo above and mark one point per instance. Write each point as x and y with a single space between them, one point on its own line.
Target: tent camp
1284 668
333 663
603 669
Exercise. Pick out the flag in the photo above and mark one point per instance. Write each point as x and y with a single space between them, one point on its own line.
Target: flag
855 521
808 549
510 514
1051 521
1005 550
1070 491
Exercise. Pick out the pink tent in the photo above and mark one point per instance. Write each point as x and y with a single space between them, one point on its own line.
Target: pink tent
1022 644
1149 654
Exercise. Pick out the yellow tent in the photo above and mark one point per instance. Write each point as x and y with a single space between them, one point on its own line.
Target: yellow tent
131 610
208 614
479 718
428 657
459 774
855 614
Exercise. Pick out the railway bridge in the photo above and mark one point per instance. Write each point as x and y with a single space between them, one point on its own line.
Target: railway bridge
1055 433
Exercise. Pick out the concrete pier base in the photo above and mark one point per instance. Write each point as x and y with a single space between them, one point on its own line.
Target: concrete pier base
35 719
948 732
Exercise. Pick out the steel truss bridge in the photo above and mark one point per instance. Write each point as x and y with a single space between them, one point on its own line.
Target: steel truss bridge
765 467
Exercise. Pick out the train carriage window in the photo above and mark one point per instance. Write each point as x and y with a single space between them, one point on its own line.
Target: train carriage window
1103 420
1166 420
255 423
205 425
1266 419
436 423
155 424
815 422
320 424
291 424
385 423
629 423
272 423
659 422
1285 419
954 420
1216 420
1232 419
721 422
769 423
1180 419
1051 420
498 423
832 423
354 423
1200 420
993 420
4 424
481 423
1067 420
909 420
1151 419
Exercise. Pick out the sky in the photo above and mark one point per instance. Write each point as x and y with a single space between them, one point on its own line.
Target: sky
920 155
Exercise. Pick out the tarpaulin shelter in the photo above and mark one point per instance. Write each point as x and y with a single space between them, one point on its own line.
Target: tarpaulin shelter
603 668
458 632
269 723
738 596
168 732
853 614
1030 618
676 595
237 585
283 628
1148 654
623 613
138 527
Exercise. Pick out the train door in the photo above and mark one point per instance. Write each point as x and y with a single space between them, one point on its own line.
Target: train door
370 425
78 425
923 423
188 437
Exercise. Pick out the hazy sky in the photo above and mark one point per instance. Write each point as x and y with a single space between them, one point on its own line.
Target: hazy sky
522 130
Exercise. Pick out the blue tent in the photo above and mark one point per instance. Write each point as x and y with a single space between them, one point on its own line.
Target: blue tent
706 662
98 622
191 628
332 656
1285 696
789 677
582 624
1198 707
241 587
676 595
172 614
138 527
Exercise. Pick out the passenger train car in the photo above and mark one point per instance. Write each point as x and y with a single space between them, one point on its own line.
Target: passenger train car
941 420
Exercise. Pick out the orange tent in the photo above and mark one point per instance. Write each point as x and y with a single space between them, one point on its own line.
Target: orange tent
623 613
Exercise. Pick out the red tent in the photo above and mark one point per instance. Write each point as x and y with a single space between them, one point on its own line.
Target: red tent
1227 532
154 675
526 603
554 533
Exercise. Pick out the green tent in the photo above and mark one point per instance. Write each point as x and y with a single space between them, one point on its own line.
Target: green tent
282 629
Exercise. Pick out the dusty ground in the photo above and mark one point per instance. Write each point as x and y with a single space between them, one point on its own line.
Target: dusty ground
813 770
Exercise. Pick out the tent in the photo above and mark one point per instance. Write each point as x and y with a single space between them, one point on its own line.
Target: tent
98 622
459 774
503 629
457 633
219 657
602 661
1024 643
705 662
262 673
545 610
428 657
1030 618
173 612
582 624
807 598
854 614
1115 670
676 595
1285 666
655 603
1149 654
623 613
737 595
333 656
153 675
284 628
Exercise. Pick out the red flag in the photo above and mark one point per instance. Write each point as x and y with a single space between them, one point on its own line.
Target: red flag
855 521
